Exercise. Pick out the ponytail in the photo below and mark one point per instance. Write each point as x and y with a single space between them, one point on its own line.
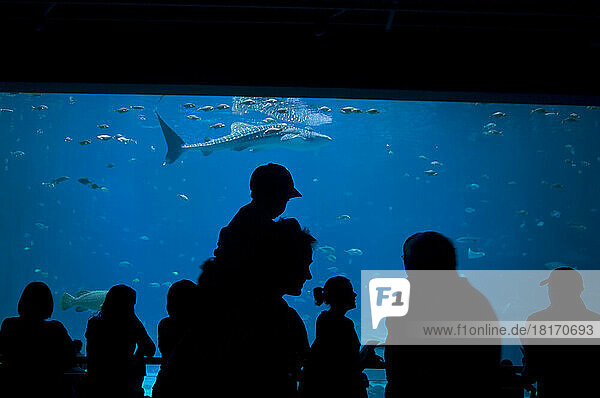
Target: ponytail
319 295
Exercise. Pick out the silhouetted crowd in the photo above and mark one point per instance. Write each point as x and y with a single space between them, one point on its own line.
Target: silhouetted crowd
231 334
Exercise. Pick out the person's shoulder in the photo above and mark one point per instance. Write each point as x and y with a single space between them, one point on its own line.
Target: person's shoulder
11 323
539 316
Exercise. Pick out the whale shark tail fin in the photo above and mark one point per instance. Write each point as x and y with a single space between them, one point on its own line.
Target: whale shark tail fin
174 142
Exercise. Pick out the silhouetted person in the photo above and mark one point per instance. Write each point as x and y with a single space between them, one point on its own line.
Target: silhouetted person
239 246
333 367
182 300
268 341
512 384
117 344
438 294
560 366
35 351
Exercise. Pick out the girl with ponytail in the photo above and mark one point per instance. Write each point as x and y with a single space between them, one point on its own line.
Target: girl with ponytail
333 367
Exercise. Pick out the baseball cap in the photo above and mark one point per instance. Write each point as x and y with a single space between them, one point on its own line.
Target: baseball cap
270 178
560 277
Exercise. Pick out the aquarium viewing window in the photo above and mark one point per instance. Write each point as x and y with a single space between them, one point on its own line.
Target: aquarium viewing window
102 188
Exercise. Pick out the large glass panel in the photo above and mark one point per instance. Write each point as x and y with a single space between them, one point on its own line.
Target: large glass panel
87 202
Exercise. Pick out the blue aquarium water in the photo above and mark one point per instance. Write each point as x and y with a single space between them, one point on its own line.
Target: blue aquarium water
514 185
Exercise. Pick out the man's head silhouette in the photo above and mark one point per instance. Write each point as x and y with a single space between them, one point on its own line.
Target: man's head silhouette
429 251
565 285
271 187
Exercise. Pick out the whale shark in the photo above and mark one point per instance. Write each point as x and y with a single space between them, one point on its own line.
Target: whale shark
245 136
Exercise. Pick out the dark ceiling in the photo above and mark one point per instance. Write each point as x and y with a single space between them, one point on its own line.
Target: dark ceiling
484 46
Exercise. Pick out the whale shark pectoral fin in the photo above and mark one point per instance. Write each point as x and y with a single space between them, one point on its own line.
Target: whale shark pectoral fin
287 137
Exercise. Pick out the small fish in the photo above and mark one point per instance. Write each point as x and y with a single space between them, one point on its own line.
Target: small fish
56 181
540 224
183 197
473 187
436 163
570 119
217 126
110 165
326 249
469 210
41 226
84 181
431 172
103 126
248 101
557 186
539 110
135 280
271 101
372 111
17 153
125 140
489 126
332 258
222 106
7 110
104 137
122 110
144 237
512 183
104 189
67 139
154 284
423 157
124 264
473 254
324 109
85 142
466 239
354 252
555 214
498 114
188 105
579 227
492 132
39 107
206 108
137 107
343 217
94 186
522 212
281 110
272 130
193 117
350 109
175 273
268 120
